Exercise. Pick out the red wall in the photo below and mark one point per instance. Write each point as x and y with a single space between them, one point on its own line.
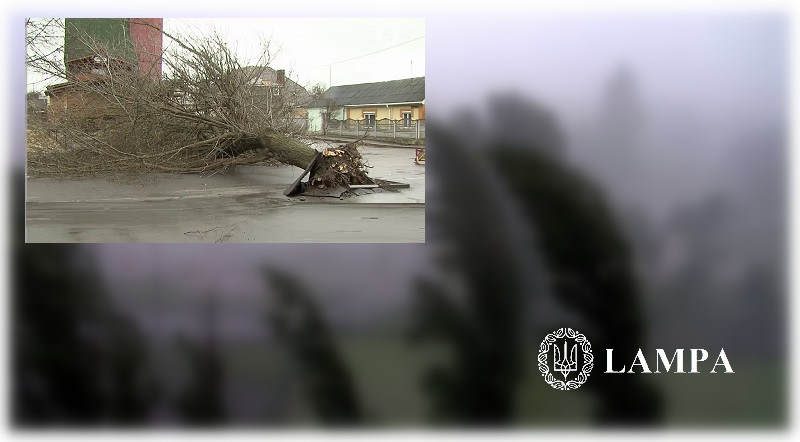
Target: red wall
147 44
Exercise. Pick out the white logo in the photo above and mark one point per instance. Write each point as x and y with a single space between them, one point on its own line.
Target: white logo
569 354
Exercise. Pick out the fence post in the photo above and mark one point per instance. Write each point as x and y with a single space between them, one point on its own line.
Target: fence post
358 127
341 127
394 130
416 123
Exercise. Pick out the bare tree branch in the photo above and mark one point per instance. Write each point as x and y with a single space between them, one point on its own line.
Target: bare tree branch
209 110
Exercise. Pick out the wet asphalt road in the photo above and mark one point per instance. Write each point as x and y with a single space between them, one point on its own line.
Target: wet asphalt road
244 206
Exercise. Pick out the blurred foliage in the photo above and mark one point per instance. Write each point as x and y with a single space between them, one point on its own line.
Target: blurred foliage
303 332
75 358
202 402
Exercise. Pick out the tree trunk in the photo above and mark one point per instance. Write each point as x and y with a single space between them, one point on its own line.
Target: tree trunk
288 150
337 167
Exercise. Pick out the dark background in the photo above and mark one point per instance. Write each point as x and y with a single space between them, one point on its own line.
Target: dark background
640 221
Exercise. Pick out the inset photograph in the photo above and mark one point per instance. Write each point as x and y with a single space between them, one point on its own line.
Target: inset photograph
225 130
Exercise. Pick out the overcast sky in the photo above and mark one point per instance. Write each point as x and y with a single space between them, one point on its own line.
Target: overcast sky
713 86
708 62
358 50
306 47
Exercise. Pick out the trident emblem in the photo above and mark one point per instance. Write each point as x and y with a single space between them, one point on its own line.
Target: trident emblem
568 363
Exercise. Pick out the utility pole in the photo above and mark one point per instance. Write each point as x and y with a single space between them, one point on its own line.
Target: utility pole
412 67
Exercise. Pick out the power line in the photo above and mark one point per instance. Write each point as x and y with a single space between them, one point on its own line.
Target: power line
372 53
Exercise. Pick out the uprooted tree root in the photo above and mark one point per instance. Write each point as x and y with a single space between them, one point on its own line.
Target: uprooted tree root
339 167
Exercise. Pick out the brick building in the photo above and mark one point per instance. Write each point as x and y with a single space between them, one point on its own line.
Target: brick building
92 45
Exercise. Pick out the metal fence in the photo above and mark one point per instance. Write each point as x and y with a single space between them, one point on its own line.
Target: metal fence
385 128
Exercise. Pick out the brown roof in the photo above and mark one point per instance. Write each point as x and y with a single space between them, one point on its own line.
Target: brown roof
269 77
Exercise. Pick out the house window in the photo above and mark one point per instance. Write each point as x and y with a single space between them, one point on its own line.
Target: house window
407 119
276 91
369 119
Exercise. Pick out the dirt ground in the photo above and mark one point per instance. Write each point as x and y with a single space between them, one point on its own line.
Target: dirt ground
245 205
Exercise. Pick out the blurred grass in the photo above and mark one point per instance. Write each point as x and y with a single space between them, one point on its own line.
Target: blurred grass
756 395
388 371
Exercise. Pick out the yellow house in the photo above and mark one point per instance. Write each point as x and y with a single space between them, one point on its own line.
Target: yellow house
397 100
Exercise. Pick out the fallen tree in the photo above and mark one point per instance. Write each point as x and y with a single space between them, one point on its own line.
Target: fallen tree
208 112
